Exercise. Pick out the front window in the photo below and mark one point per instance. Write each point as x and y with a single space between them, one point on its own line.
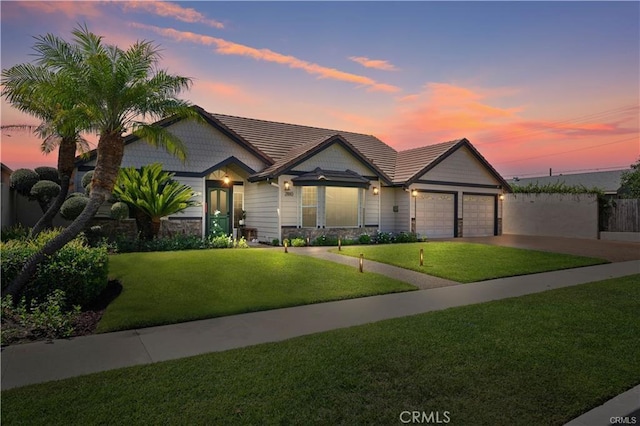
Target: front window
341 206
309 206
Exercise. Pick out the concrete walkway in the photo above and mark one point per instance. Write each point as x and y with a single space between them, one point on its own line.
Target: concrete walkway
44 361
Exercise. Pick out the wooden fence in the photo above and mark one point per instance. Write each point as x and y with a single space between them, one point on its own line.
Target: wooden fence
624 216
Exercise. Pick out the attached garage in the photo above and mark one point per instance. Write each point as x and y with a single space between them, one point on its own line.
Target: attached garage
435 214
478 215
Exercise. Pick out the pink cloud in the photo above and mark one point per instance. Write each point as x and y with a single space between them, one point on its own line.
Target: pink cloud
172 10
508 139
69 8
378 64
225 47
208 90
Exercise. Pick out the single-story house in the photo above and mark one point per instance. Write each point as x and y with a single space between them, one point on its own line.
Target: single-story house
290 180
607 181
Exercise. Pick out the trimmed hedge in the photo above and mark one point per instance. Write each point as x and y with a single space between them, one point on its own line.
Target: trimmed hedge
78 270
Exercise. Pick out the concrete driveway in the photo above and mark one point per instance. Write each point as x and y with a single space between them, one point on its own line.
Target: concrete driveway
613 251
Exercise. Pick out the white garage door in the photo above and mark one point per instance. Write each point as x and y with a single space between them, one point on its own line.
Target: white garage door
478 215
435 215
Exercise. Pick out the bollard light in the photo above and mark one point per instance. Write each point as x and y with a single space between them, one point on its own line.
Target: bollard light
339 244
361 263
421 257
285 247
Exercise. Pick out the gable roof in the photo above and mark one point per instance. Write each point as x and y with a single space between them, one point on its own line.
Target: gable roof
305 151
415 162
608 181
283 146
331 178
411 162
278 140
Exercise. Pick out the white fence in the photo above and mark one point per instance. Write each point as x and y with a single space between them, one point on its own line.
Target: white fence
560 215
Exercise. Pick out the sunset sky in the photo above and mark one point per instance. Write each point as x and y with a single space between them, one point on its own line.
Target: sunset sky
533 85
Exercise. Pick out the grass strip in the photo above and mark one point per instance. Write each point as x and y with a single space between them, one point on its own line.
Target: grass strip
170 287
538 359
468 262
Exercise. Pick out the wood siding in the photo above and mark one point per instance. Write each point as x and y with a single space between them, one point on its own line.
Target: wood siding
205 145
261 205
461 166
334 157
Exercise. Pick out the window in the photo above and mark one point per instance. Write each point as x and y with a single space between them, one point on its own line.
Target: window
341 206
309 206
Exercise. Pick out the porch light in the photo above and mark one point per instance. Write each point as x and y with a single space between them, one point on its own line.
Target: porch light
414 193
226 179
376 191
501 197
287 185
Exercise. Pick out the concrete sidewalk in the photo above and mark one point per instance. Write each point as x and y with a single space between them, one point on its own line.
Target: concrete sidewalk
44 361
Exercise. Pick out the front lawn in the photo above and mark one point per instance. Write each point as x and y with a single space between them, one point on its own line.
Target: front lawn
538 359
170 287
468 262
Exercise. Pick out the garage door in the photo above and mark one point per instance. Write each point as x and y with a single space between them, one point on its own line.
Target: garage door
478 215
435 217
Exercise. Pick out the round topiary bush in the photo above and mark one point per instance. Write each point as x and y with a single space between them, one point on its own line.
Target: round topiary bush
86 179
119 211
73 206
45 190
22 180
48 173
76 194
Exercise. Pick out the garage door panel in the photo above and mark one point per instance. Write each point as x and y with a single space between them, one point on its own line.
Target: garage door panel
478 215
435 215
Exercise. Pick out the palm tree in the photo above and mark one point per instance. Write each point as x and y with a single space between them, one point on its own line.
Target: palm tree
113 91
152 194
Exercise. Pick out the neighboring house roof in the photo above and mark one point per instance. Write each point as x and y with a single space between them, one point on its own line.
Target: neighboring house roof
608 181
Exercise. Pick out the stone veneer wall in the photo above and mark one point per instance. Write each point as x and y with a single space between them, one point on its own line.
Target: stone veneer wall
312 233
168 228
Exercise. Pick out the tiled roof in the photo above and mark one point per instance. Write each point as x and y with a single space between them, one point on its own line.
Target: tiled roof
278 140
412 161
609 181
331 177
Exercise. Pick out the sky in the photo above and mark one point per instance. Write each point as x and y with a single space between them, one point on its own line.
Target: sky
533 85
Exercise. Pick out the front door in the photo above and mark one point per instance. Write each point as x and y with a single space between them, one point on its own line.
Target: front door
218 210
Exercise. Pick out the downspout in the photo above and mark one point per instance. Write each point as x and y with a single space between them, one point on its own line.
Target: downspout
278 209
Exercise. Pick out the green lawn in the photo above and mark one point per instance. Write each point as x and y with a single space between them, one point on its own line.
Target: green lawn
170 287
468 262
538 359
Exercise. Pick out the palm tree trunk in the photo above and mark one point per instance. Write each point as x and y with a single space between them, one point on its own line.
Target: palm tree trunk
110 150
66 157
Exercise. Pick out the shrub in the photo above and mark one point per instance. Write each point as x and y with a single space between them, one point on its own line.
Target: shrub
73 206
80 271
15 232
275 242
48 173
298 242
406 237
324 240
384 238
364 239
47 319
45 190
119 211
86 179
221 241
22 180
